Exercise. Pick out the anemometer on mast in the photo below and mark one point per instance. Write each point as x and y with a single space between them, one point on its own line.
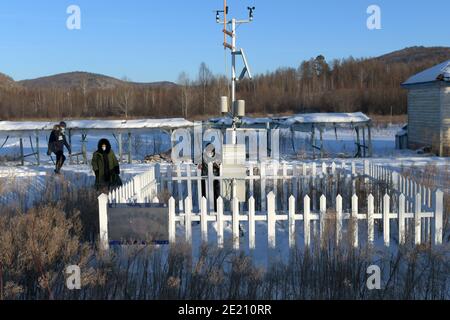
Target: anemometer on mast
229 31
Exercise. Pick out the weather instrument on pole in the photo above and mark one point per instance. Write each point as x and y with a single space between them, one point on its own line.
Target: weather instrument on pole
229 31
234 155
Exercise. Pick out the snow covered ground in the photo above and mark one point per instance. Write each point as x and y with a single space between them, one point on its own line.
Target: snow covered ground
157 141
33 180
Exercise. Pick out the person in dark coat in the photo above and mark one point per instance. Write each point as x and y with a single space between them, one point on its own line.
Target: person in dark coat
56 144
105 166
211 152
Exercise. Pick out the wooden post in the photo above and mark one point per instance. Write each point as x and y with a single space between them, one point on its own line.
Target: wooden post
338 219
386 224
354 219
83 147
366 170
129 148
204 220
364 141
275 182
70 143
38 155
306 220
180 189
22 156
321 143
235 223
220 222
262 179
199 185
417 219
211 186
438 216
285 198
251 223
358 143
189 183
313 138
323 212
188 221
370 222
251 182
120 146
172 226
103 220
401 219
369 126
271 219
291 221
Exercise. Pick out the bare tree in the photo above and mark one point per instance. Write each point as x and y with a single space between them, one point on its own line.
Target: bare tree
185 92
125 94
205 77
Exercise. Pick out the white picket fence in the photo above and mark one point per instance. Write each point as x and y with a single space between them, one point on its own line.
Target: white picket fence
402 185
183 178
142 188
415 205
307 217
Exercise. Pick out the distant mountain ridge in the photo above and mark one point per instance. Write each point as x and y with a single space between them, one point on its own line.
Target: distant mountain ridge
426 56
416 54
6 81
86 80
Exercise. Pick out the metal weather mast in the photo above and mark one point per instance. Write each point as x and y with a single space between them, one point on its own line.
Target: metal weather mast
229 31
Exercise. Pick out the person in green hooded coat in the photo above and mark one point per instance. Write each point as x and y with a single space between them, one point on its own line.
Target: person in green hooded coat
105 166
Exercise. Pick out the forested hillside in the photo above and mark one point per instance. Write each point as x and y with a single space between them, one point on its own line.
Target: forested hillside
371 85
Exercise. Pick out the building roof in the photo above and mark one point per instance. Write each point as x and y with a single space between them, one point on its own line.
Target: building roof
302 119
440 72
326 118
171 123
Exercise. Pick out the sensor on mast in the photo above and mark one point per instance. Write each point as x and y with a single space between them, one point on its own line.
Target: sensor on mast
234 51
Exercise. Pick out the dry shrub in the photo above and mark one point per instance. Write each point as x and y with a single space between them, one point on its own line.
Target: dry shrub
35 248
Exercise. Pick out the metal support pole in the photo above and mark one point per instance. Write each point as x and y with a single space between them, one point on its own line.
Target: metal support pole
321 142
364 141
358 144
83 147
38 157
369 126
313 138
120 146
22 158
70 143
129 148
233 63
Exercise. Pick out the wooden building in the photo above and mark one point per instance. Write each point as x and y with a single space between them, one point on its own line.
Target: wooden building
429 109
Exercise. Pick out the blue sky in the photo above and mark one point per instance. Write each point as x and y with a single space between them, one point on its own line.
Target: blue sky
149 40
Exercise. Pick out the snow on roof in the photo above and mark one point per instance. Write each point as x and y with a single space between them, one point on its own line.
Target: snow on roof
303 118
245 120
326 118
436 73
171 123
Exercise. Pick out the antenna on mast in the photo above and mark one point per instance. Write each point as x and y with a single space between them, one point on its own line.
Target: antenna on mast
235 105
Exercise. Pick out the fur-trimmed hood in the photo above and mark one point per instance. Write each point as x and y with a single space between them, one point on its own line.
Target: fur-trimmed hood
104 142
